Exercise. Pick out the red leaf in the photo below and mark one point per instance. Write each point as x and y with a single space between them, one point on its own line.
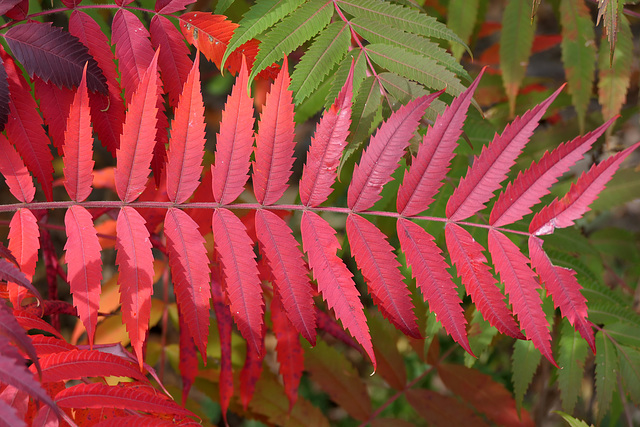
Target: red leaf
334 279
274 141
522 287
290 273
45 417
190 274
4 96
328 324
480 284
443 411
46 345
423 180
75 364
166 7
84 266
20 11
374 256
29 321
188 364
138 137
78 146
325 151
10 273
186 147
135 421
235 250
563 212
54 55
135 267
103 396
24 243
15 172
562 285
385 150
208 33
24 128
250 375
7 5
9 416
11 329
288 349
225 324
234 142
55 103
530 185
490 168
108 111
174 59
430 270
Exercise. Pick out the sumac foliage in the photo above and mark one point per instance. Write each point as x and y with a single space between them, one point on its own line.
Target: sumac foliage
168 229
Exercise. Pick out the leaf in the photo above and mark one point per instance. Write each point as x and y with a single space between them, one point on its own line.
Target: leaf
374 256
235 250
29 321
516 41
289 270
186 146
274 142
84 266
234 143
135 278
611 11
250 375
24 244
430 271
470 262
385 150
578 53
328 142
564 288
301 25
188 363
225 324
10 273
15 172
629 359
390 361
572 355
442 411
190 274
337 376
563 212
54 55
165 7
46 345
103 396
324 53
534 183
4 96
138 137
461 19
55 103
573 422
606 374
11 329
489 169
423 180
334 279
8 5
78 146
10 416
614 71
521 286
75 364
366 104
524 364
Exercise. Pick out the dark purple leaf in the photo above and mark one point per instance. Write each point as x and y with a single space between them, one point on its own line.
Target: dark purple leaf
10 273
7 5
4 96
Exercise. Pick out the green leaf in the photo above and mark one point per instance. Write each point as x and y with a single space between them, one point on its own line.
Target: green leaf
481 333
608 313
461 19
404 90
615 71
414 67
516 41
340 76
398 16
325 52
525 361
573 422
578 54
624 333
262 15
606 373
623 188
571 358
611 11
630 371
304 23
376 32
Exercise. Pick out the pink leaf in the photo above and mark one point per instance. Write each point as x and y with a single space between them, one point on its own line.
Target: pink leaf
186 146
385 150
190 274
429 269
138 137
530 185
490 168
334 279
10 273
135 267
170 6
274 141
78 146
423 180
374 256
562 285
75 364
521 286
29 321
327 144
24 243
234 143
15 172
55 103
235 250
289 270
563 212
480 284
84 266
